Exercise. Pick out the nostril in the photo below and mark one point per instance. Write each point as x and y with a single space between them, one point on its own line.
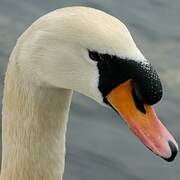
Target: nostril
138 102
174 151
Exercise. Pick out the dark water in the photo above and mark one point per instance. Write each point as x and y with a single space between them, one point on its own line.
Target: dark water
99 145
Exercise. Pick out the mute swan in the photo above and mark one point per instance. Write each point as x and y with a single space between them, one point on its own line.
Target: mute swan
81 49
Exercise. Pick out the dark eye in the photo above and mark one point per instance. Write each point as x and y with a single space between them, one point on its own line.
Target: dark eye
94 55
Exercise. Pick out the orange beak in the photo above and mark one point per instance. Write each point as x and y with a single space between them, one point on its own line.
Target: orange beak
146 126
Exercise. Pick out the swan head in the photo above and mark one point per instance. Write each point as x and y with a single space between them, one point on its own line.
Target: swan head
92 52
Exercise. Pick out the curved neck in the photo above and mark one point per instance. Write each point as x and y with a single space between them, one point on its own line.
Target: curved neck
33 130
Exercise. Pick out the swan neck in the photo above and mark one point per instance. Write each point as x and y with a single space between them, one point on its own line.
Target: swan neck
33 130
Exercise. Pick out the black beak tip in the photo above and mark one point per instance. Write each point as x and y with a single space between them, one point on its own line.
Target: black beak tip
174 151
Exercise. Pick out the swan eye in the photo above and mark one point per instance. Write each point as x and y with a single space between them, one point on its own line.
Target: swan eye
95 56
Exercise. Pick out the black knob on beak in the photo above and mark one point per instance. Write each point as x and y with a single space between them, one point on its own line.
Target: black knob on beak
147 83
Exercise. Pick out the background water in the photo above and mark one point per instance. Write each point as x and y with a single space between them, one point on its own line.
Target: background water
99 144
